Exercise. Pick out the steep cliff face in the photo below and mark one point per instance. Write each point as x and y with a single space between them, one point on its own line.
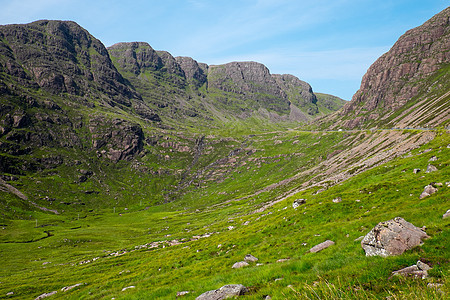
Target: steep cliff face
53 74
414 69
61 57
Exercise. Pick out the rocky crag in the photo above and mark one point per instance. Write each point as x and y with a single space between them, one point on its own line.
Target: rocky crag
409 85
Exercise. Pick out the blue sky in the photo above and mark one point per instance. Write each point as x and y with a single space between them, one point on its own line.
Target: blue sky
330 44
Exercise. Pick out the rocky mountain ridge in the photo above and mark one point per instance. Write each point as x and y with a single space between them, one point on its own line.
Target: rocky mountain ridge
407 86
240 88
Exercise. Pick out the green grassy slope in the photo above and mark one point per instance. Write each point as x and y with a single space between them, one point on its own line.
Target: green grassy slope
195 243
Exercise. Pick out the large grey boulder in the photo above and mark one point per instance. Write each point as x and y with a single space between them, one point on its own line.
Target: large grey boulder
224 292
392 237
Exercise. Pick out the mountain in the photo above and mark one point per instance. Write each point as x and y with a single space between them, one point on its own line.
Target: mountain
180 87
408 86
125 169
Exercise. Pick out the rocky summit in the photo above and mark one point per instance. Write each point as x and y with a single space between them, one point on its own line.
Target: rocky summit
126 172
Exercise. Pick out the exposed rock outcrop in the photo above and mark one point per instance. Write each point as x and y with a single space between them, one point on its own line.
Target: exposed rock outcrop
224 292
392 237
119 139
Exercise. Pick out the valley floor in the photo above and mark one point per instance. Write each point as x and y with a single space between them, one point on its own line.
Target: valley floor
242 204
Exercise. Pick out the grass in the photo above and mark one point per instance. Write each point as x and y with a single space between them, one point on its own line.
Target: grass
86 242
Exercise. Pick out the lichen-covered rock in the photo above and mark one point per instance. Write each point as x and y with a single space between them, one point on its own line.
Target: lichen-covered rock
392 237
224 292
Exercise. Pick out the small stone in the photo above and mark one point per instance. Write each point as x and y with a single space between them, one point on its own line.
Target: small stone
282 260
427 191
45 295
250 258
423 266
240 264
298 202
446 215
321 246
337 200
415 171
128 287
10 294
180 294
433 158
431 168
278 279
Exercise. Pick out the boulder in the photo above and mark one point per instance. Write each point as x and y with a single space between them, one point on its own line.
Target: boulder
392 237
240 264
298 202
415 171
427 191
431 168
321 246
224 292
433 158
250 258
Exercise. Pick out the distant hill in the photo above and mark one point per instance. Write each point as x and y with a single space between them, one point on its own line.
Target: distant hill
180 87
329 103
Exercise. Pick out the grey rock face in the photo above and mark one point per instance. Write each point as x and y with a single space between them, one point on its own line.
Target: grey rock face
224 292
192 70
321 246
392 237
118 139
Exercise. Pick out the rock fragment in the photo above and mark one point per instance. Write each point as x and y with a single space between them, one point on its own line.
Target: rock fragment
240 264
250 258
321 246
